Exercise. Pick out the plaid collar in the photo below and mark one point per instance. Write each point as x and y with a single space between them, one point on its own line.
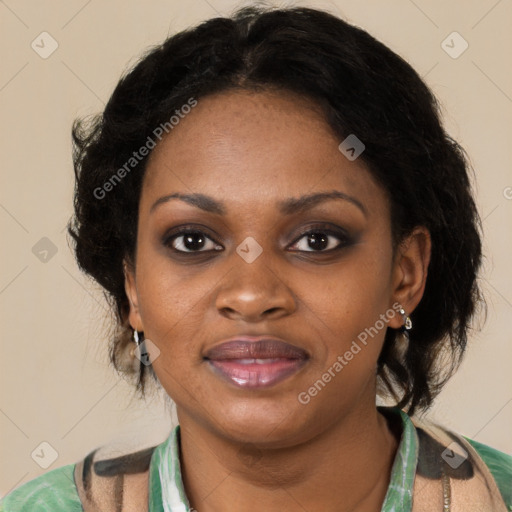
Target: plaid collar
167 493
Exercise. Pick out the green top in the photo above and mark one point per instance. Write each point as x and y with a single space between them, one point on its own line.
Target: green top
55 491
500 465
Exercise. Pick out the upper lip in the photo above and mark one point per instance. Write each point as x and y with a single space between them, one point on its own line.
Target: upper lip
255 347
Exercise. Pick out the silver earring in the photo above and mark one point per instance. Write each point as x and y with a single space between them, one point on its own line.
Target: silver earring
407 326
136 340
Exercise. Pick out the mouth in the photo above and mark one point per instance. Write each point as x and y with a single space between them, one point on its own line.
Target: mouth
252 363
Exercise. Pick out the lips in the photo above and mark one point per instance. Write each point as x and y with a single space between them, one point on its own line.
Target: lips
248 347
255 362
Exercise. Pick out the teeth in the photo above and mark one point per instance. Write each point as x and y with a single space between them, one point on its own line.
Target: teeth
257 361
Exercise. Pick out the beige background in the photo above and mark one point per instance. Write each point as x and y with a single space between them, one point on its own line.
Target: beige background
55 380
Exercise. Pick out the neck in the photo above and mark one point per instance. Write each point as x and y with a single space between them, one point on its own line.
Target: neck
343 468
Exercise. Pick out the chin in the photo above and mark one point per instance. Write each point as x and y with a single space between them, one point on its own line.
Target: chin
266 424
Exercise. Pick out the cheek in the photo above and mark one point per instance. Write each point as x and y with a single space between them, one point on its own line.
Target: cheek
351 304
171 303
359 283
172 310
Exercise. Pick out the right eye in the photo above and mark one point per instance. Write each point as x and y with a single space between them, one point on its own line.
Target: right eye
187 240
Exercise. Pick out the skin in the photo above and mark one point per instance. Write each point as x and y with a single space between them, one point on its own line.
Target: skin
246 450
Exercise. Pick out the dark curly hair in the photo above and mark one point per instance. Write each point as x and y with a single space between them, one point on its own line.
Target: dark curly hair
362 87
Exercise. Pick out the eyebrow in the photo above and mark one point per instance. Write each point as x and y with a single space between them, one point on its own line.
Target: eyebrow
288 206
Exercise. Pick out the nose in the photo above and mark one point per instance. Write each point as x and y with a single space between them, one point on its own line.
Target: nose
253 292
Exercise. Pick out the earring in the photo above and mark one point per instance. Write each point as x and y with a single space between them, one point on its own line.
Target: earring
407 326
137 343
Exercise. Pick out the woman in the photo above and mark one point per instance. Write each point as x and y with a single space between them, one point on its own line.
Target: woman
285 231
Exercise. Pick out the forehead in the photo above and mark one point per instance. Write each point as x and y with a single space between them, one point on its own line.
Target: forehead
246 147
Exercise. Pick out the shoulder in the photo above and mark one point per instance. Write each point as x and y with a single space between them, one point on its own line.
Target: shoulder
499 464
105 479
53 491
495 458
108 480
463 459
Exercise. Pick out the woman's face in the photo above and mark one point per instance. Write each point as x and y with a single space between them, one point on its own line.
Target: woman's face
254 155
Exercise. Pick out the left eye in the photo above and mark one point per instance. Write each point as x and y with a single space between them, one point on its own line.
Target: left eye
321 240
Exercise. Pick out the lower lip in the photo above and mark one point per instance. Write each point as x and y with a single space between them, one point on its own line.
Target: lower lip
256 375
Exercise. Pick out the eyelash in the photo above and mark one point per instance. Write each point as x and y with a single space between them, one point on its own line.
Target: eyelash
323 229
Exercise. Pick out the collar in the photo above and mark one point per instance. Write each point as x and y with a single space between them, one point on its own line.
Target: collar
167 493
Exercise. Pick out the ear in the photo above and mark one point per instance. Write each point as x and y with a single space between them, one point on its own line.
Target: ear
410 270
131 293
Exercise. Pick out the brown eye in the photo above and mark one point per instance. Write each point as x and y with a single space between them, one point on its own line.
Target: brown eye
321 239
191 241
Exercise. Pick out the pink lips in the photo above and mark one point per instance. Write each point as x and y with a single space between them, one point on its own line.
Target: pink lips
255 362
